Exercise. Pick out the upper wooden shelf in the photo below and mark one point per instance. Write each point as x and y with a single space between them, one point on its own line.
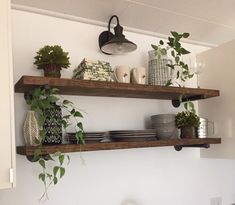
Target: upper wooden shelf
66 148
111 89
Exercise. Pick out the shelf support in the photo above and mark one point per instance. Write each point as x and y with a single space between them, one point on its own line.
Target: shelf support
180 147
176 103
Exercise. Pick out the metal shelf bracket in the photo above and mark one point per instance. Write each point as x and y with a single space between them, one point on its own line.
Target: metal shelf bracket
180 147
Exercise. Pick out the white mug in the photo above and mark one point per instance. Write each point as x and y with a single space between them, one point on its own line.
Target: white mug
138 75
122 74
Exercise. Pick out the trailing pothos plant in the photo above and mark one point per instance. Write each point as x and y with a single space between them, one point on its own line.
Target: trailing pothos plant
52 165
176 50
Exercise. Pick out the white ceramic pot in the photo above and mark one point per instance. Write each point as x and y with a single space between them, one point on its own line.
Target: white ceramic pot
122 74
138 75
31 129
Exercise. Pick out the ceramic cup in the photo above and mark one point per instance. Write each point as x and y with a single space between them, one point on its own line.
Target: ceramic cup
122 74
138 75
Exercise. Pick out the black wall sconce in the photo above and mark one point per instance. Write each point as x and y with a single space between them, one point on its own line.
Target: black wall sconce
115 43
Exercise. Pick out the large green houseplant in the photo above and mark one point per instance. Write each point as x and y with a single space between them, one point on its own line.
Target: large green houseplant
40 100
175 49
51 59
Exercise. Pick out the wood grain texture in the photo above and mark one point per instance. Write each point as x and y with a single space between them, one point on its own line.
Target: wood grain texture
112 89
66 148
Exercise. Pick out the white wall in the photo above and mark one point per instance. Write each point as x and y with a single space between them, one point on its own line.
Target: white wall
223 70
148 176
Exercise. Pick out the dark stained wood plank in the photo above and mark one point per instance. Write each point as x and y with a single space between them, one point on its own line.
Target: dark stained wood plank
66 148
112 89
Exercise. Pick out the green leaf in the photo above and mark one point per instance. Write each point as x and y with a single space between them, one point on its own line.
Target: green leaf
61 159
79 125
185 35
55 180
55 170
66 102
77 114
177 46
48 157
191 107
64 123
154 47
79 137
161 42
42 163
68 158
37 155
184 51
177 59
42 177
174 33
170 41
72 111
173 53
163 51
168 83
62 172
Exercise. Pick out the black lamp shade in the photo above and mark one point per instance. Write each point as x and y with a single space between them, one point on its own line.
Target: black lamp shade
117 43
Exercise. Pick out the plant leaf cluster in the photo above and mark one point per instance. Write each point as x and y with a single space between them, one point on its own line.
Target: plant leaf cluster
187 118
52 55
176 50
40 100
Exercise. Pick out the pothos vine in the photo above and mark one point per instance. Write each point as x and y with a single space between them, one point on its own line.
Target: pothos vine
176 50
40 100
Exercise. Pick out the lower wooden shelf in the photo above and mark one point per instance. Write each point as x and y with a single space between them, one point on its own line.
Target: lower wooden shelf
66 148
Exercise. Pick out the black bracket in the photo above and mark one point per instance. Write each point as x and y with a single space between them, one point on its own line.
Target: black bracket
180 147
176 103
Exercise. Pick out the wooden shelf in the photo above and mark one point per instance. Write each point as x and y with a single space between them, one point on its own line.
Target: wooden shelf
111 89
66 148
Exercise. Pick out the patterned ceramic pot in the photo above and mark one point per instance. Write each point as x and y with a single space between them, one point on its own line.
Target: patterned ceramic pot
53 126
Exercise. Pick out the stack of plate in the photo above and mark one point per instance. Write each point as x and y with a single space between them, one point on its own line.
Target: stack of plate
132 135
89 137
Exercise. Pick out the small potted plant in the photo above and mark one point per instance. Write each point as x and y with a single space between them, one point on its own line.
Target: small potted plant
188 122
51 59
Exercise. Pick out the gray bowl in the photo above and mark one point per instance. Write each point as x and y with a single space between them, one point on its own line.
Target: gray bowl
162 118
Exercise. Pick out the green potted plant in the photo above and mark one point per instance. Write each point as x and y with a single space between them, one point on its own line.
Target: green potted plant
52 165
176 50
52 59
187 121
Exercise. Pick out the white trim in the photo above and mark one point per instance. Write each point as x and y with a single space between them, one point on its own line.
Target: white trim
11 100
98 23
